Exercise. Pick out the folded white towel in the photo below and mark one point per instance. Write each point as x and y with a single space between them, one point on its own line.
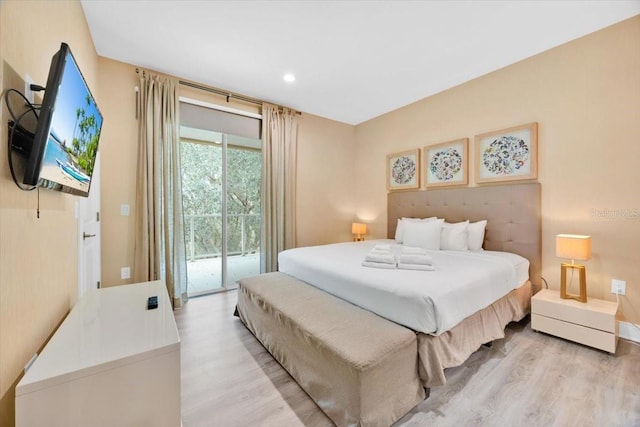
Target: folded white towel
380 251
382 246
378 265
380 257
413 250
415 259
421 267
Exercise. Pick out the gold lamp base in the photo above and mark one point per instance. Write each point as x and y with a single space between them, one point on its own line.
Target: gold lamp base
582 297
358 238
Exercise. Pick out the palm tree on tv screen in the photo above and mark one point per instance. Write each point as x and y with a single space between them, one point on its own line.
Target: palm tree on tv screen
85 137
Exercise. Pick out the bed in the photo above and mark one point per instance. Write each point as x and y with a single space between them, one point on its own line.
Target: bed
513 226
432 302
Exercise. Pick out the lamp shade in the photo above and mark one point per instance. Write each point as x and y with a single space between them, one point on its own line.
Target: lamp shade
573 246
358 228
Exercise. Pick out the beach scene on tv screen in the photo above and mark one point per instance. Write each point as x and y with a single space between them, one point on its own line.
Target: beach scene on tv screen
73 137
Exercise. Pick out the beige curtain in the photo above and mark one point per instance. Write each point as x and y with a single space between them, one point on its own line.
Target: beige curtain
159 244
279 145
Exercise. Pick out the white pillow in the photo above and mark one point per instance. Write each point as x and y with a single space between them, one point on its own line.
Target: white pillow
476 235
402 221
423 234
454 236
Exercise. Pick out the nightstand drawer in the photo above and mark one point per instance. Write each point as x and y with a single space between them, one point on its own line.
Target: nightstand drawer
588 336
595 313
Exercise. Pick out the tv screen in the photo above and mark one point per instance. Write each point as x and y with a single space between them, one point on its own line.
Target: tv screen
65 144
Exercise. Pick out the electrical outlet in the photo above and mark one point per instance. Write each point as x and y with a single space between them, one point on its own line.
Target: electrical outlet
125 273
618 287
124 210
28 93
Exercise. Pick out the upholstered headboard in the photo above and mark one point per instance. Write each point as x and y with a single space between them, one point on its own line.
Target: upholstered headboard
512 213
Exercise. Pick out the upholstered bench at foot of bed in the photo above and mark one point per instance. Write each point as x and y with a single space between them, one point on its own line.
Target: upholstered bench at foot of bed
361 369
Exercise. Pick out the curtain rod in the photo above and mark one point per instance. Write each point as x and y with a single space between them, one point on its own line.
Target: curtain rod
230 94
225 93
221 92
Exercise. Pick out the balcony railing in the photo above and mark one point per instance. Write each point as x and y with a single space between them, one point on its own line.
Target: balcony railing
204 235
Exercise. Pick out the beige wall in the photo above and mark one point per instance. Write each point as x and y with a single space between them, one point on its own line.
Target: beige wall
585 96
325 153
118 163
325 189
38 257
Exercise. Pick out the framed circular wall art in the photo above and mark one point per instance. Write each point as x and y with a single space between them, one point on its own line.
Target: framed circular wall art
403 170
446 164
507 155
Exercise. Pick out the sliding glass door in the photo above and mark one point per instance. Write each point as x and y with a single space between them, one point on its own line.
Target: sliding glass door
221 179
243 207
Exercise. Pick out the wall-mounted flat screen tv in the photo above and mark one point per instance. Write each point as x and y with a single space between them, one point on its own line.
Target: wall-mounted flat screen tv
65 144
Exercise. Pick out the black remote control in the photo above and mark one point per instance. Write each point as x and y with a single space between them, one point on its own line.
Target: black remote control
152 303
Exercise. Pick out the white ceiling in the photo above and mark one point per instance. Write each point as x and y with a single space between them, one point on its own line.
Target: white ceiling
353 60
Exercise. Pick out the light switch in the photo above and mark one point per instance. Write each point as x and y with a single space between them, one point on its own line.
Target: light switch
124 210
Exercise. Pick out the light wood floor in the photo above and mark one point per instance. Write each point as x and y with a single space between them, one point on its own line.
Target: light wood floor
527 379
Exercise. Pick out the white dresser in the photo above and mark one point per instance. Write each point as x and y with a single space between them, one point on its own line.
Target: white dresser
111 362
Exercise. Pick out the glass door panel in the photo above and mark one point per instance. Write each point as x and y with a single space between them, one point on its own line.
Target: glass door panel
201 156
243 184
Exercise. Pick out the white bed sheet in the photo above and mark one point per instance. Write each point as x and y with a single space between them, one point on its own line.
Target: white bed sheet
426 301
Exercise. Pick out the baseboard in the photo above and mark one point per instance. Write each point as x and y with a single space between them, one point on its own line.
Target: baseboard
629 331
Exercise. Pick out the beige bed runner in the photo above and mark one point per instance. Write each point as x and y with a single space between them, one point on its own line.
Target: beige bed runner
361 369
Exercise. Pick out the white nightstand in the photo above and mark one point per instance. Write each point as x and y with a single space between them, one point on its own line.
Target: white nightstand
592 323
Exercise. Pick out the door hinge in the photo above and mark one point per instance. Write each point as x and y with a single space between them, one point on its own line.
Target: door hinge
97 216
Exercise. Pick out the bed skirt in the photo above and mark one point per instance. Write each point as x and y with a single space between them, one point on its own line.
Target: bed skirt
452 348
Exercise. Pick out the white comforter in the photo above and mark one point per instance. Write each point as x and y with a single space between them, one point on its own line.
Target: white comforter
426 301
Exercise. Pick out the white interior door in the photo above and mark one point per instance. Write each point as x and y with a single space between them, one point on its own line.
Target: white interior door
89 235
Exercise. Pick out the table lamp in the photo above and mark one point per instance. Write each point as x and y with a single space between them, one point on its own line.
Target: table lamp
358 230
573 247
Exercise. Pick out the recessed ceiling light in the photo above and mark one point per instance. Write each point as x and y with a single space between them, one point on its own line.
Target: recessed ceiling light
289 78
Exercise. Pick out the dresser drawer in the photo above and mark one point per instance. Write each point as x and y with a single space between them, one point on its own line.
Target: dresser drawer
592 337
